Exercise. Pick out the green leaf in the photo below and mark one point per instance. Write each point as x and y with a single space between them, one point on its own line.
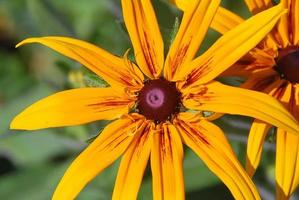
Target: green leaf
29 148
20 102
93 80
175 29
38 182
196 174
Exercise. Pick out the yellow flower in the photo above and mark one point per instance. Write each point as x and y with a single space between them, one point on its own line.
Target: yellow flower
273 68
147 100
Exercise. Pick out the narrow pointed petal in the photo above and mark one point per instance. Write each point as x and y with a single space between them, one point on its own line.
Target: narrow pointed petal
214 130
217 97
256 6
281 32
108 146
132 166
237 42
73 107
184 4
287 147
193 28
265 81
294 21
225 20
145 35
256 62
288 94
257 134
287 164
116 71
166 164
216 153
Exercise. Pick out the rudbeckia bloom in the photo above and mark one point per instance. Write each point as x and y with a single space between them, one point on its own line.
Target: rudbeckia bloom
150 100
273 68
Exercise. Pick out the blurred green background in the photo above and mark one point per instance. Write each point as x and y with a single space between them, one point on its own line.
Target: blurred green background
32 162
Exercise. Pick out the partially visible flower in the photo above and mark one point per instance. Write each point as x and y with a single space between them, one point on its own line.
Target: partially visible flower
148 102
273 68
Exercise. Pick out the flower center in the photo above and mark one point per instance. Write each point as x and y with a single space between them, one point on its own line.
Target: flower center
287 63
158 100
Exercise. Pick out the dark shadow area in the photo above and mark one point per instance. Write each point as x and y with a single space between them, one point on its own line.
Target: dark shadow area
6 165
212 193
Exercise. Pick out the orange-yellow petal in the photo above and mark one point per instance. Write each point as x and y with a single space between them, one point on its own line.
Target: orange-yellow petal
256 62
107 147
237 42
271 84
193 28
217 97
132 166
118 72
166 164
145 35
294 21
225 20
281 32
287 164
184 4
287 94
256 6
73 107
257 134
209 143
214 130
287 149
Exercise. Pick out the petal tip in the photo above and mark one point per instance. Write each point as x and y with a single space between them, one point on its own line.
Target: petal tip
20 123
28 40
22 42
282 8
15 124
19 44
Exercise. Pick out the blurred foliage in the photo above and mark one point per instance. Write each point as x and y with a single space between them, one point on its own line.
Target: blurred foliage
32 162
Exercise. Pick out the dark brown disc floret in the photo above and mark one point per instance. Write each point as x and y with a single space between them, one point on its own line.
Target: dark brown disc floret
158 100
287 63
